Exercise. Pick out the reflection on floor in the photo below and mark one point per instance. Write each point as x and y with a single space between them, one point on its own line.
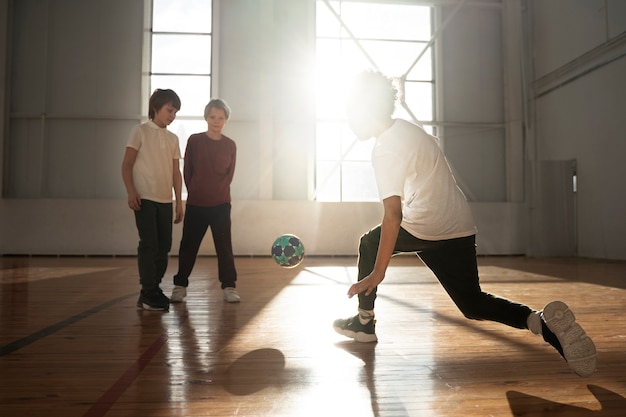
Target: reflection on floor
73 344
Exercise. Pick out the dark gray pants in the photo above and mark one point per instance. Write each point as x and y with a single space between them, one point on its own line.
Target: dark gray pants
197 221
154 224
453 262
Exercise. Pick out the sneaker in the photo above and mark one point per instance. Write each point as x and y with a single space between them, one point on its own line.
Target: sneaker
178 294
230 295
153 300
161 296
353 328
568 338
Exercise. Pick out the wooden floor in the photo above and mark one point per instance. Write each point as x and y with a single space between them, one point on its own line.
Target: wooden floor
73 344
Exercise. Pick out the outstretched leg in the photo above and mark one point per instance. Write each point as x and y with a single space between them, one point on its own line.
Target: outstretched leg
454 264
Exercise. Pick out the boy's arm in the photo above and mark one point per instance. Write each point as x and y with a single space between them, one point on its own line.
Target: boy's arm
134 199
231 174
178 186
392 218
188 165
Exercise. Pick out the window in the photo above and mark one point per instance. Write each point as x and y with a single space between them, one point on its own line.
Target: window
352 36
181 60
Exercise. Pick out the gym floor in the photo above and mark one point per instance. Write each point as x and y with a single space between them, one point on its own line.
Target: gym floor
72 342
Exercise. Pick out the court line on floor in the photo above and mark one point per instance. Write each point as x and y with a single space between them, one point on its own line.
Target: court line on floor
109 398
104 403
47 331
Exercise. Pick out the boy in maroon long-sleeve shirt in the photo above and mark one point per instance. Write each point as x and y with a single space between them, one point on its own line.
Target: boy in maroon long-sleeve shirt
209 168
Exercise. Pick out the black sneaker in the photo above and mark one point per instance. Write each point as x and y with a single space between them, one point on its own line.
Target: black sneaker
560 329
153 300
161 295
353 328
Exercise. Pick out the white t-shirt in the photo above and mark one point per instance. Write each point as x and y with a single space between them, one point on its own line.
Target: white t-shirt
409 163
154 167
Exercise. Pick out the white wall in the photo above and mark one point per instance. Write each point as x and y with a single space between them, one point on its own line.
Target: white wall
106 227
563 30
580 87
4 44
472 101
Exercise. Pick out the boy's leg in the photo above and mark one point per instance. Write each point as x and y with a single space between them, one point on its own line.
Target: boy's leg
222 238
368 249
454 264
148 258
146 221
165 218
195 226
362 326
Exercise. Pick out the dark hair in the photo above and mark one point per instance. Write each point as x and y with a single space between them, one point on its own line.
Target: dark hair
160 98
217 103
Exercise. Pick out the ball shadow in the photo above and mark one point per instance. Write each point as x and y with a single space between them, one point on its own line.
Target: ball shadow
255 371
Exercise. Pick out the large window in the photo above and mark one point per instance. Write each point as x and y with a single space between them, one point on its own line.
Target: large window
352 36
181 60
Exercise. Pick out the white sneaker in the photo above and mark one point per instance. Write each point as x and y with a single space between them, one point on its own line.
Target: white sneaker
178 294
230 295
573 343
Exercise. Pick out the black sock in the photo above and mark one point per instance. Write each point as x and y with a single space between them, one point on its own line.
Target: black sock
551 338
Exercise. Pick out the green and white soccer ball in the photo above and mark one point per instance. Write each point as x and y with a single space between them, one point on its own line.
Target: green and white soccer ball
288 251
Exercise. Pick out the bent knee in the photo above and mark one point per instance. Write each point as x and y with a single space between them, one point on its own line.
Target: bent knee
472 312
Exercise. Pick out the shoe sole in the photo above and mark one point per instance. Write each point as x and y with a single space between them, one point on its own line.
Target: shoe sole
143 306
357 336
578 349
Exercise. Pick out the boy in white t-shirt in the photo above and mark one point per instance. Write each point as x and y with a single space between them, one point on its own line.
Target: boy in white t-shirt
425 212
150 171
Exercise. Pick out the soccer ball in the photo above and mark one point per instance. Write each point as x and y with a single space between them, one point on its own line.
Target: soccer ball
288 251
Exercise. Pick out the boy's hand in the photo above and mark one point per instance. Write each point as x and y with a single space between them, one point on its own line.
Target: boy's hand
179 213
134 201
366 285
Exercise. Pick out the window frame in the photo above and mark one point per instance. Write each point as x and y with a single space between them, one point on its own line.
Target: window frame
187 121
339 192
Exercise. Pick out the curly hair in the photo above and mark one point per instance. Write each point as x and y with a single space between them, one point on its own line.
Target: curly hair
378 90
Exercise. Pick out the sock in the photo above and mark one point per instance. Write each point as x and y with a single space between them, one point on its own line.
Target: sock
534 323
551 338
365 316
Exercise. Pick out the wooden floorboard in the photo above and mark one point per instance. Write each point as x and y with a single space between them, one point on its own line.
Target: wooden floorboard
72 342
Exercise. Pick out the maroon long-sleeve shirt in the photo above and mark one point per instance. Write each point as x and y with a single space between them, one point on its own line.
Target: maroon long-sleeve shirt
209 169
